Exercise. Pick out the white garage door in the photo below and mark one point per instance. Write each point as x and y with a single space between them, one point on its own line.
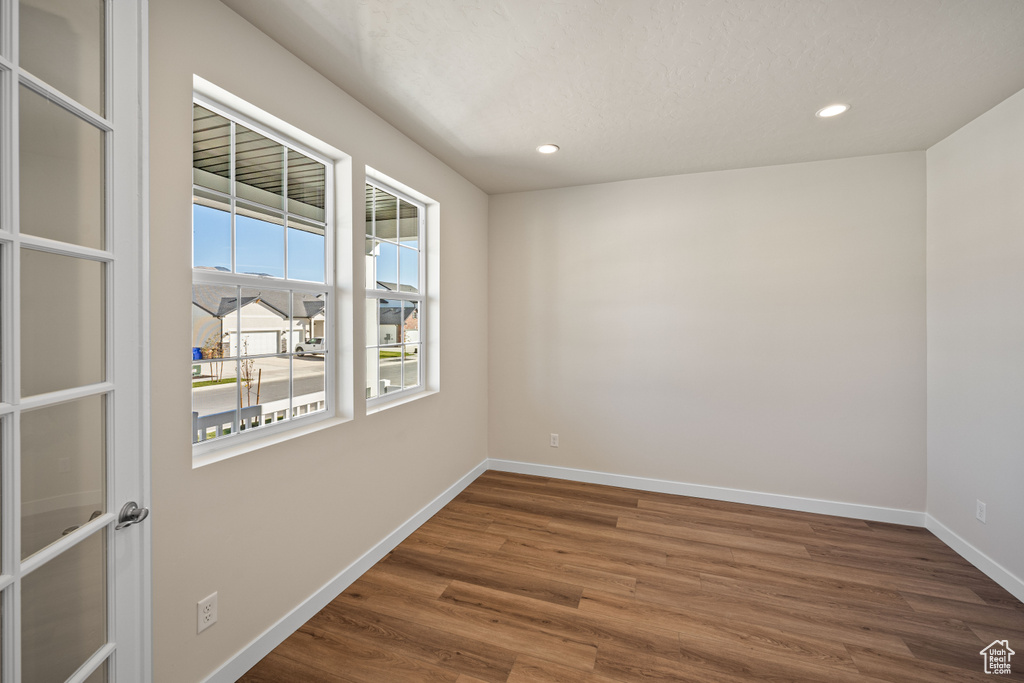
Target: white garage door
260 342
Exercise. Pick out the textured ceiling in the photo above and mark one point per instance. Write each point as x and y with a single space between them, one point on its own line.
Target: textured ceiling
641 88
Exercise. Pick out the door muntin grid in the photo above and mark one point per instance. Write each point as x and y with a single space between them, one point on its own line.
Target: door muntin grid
56 331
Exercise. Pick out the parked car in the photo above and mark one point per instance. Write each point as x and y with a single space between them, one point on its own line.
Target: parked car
311 346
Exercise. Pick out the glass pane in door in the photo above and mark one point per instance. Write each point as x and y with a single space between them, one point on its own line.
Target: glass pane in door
63 322
63 470
3 251
61 166
63 42
100 674
64 611
2 429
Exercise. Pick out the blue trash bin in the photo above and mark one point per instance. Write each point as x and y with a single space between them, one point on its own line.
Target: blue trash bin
197 353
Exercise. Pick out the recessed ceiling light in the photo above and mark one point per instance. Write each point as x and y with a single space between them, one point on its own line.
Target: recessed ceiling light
832 110
547 149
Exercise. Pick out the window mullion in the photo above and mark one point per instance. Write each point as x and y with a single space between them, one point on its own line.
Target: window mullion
238 360
291 354
374 243
284 207
231 193
237 418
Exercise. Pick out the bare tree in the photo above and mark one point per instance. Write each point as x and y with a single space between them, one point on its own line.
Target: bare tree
248 365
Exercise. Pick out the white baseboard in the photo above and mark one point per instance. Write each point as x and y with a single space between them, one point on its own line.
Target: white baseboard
823 507
252 653
986 564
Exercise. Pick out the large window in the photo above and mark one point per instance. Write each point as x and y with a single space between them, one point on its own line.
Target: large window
261 278
394 293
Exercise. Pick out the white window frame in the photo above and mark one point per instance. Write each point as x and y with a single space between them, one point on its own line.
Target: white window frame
421 297
329 287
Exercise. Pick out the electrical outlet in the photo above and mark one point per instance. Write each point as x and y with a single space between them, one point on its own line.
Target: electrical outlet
554 440
207 609
979 512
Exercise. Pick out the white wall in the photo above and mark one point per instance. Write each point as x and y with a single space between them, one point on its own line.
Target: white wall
976 332
269 528
759 329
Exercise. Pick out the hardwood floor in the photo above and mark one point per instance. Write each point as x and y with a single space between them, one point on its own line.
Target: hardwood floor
530 579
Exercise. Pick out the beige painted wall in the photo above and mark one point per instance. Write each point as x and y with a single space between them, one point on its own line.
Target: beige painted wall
976 332
269 528
759 329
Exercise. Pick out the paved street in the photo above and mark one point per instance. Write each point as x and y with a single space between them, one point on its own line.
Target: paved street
273 386
391 369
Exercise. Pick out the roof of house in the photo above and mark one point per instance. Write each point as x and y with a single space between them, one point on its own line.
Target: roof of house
393 287
391 312
219 301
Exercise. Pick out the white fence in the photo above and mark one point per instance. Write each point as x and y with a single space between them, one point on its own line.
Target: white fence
211 426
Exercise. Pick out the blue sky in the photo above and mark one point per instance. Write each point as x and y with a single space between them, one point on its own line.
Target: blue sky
391 258
260 249
260 246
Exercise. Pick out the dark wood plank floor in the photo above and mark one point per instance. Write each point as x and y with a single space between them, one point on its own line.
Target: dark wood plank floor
531 579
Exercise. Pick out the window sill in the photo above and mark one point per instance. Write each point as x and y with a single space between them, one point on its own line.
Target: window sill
230 450
399 401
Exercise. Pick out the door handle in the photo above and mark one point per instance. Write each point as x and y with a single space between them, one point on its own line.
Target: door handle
131 513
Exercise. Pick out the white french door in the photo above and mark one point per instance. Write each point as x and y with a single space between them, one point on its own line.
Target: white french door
74 558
